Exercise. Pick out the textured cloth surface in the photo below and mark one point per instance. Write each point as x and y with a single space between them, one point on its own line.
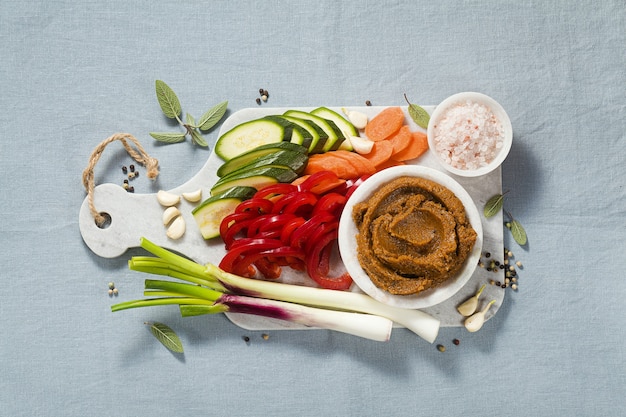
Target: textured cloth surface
73 73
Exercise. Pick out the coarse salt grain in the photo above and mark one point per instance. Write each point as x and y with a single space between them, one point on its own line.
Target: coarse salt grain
468 136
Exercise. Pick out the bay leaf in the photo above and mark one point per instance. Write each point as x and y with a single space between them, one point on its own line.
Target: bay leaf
212 116
168 137
518 232
493 205
170 105
167 337
419 115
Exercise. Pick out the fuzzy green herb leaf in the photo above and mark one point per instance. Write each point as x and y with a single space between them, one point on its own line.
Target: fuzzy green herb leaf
168 137
493 205
167 100
418 114
197 138
212 116
190 121
518 232
166 336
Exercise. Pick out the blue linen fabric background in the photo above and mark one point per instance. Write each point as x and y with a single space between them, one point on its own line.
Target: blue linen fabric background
73 73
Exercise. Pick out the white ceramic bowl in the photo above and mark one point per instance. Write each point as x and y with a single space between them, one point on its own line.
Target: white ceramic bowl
458 99
348 232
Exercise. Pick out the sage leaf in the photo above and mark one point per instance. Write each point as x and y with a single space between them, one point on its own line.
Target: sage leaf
518 232
418 114
212 116
168 137
167 337
167 100
198 139
493 205
191 122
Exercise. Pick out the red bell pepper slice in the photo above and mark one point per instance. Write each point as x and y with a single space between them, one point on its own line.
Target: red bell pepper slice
332 203
294 202
321 182
255 205
274 190
318 261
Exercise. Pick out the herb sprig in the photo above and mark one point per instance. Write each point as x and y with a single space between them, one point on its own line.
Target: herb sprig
170 105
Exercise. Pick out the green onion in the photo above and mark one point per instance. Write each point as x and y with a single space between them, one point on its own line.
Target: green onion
215 287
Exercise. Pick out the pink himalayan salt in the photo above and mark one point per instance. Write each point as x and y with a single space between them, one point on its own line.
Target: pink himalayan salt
468 136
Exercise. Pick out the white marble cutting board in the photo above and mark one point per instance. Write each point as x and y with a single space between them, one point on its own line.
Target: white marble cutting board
140 215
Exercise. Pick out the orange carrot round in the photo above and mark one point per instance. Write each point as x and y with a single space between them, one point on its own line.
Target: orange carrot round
417 146
381 152
385 124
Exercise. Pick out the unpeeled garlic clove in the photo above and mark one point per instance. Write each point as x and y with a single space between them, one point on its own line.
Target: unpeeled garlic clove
193 196
177 228
358 119
468 307
167 199
362 146
170 214
474 322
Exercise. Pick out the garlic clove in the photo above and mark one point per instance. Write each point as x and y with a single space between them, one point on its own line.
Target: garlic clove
193 196
167 199
177 228
170 214
474 322
361 145
468 307
358 119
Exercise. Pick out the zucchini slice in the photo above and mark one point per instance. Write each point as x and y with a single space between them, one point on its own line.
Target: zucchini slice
210 213
257 153
341 122
255 177
249 135
293 159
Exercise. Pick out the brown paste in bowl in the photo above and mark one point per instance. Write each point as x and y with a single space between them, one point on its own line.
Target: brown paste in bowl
413 235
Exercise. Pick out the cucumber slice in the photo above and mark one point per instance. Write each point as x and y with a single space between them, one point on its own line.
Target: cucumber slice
347 128
334 135
319 137
210 213
249 135
299 135
257 153
255 177
293 159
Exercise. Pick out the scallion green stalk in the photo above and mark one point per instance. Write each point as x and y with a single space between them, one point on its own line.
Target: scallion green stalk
170 264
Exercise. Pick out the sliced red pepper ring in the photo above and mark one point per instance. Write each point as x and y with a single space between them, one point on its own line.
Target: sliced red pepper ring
319 233
318 261
255 205
294 202
267 222
233 224
289 227
332 203
265 258
321 182
300 236
244 246
275 190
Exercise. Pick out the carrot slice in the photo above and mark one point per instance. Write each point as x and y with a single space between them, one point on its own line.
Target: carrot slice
361 165
401 140
389 163
385 124
329 162
417 146
381 152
